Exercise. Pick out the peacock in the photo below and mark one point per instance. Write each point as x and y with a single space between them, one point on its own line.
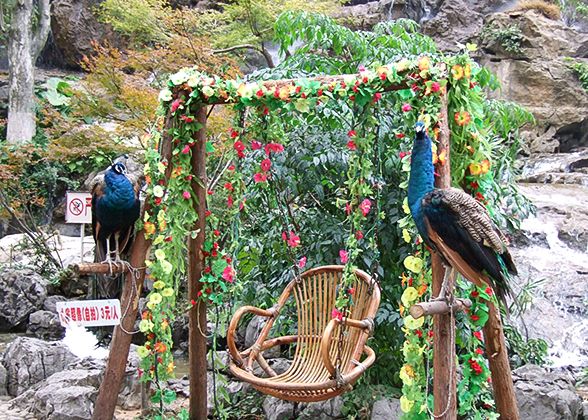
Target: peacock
456 226
115 208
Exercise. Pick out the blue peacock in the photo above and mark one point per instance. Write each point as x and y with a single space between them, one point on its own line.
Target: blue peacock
115 208
455 225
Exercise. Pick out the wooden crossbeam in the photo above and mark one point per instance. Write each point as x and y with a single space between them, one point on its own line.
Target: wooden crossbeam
438 307
98 268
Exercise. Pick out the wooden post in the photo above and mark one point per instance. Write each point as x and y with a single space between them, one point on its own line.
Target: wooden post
504 395
121 341
197 314
444 382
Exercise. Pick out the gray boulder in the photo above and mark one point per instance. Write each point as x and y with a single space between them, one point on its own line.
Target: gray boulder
29 361
546 394
22 292
386 409
45 325
3 378
252 333
50 303
323 410
54 402
276 409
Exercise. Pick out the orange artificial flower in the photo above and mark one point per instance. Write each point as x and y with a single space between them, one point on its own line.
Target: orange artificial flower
475 168
160 347
284 92
462 118
150 228
422 289
424 63
409 370
401 308
164 324
170 367
485 166
467 70
442 157
148 179
457 72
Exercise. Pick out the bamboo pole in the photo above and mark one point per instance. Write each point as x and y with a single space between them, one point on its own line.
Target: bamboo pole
97 268
121 341
444 382
197 314
438 307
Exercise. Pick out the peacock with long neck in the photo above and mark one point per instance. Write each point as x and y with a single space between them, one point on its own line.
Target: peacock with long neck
455 225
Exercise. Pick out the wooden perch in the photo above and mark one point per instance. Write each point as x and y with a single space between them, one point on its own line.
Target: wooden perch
97 268
438 307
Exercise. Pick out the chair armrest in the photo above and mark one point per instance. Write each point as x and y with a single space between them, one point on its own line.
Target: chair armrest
235 322
367 323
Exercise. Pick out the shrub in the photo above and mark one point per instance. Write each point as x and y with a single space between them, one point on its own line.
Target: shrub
547 9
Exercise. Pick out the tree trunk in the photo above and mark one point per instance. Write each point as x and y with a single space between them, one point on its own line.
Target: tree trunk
24 46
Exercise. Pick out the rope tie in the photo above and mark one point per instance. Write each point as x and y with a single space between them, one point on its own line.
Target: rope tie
134 291
360 365
341 381
370 325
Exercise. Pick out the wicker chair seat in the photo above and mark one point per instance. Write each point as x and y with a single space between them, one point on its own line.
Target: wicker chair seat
313 375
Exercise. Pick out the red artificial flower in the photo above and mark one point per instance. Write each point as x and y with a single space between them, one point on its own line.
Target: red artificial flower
435 87
351 144
168 239
419 333
158 201
479 351
240 155
474 185
256 145
475 317
292 239
478 335
231 168
475 294
234 134
352 133
406 107
216 232
359 235
260 177
352 290
402 155
266 164
400 136
489 291
239 146
230 201
273 147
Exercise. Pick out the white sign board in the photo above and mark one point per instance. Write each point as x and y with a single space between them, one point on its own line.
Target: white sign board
78 207
89 313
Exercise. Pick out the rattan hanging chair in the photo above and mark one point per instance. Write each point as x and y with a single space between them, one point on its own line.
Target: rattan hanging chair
315 373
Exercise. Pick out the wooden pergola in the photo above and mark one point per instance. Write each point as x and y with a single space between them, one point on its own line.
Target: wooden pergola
444 386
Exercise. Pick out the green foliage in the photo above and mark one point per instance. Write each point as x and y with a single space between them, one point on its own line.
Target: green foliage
580 68
525 351
573 11
510 37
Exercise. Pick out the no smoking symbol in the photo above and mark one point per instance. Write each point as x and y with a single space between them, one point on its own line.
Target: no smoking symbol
76 207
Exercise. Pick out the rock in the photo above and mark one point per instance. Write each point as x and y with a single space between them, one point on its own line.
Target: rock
55 402
546 394
221 360
29 361
22 292
385 409
51 301
279 365
75 27
276 409
45 325
3 379
323 410
539 78
252 333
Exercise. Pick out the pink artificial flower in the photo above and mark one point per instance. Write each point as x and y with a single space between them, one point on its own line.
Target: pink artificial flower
176 104
229 274
242 205
266 164
401 155
186 194
292 239
186 149
351 144
435 87
230 201
256 145
302 262
348 209
336 314
344 256
377 97
406 107
260 177
365 206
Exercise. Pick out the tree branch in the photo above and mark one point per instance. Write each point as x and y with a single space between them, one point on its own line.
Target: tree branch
262 51
40 36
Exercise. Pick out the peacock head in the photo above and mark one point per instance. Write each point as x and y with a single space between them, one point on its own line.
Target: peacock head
420 130
119 168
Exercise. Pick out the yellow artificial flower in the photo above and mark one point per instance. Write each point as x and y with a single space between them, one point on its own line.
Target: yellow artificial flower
405 206
409 295
142 352
167 292
149 228
406 404
170 367
413 324
414 264
155 298
166 266
158 240
406 236
145 325
158 284
160 254
164 324
407 375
